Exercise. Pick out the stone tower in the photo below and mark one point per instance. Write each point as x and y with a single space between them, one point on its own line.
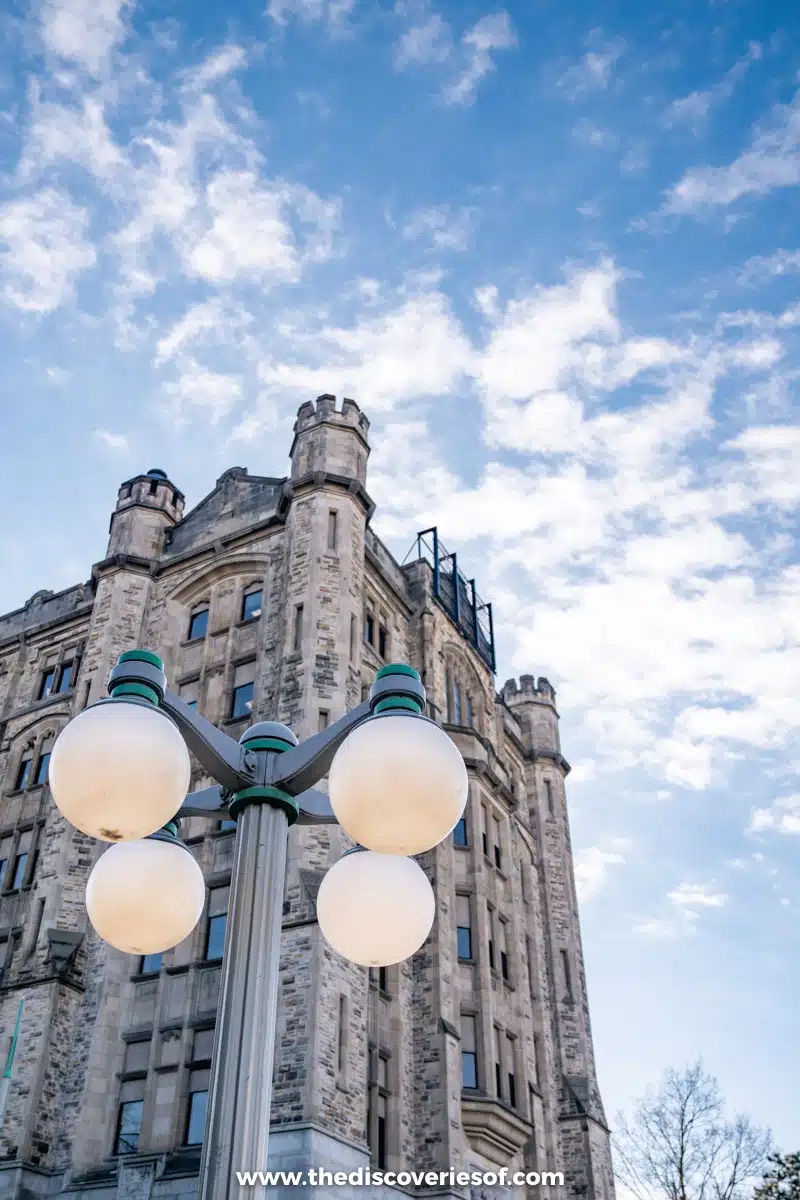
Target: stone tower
273 599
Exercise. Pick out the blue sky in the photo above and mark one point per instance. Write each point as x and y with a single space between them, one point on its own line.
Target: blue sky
553 252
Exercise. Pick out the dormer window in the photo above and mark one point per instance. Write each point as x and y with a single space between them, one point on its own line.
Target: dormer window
198 625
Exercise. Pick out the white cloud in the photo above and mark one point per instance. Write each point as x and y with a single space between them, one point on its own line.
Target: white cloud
444 227
333 13
782 817
114 441
771 161
770 266
592 866
199 387
84 32
493 32
594 70
431 41
693 895
44 249
219 65
694 110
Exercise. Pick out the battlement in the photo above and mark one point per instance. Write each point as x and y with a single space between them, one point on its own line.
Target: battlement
324 409
541 691
146 506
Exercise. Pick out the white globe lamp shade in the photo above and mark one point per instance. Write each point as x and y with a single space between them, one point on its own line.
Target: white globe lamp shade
375 909
119 771
397 784
145 897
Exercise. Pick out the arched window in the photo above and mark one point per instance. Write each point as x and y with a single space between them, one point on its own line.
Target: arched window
462 695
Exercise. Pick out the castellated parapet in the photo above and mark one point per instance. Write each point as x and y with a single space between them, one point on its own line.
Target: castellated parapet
330 441
475 1054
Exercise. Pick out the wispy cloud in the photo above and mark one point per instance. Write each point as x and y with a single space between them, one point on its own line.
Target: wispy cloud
490 33
693 111
114 441
781 817
771 161
443 227
331 13
697 895
429 40
592 866
594 70
44 249
84 33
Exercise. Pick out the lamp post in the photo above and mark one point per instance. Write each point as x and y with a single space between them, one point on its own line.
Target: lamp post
119 771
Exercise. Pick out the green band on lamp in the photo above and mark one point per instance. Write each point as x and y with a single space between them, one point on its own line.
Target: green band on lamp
397 669
135 689
266 743
141 656
264 795
392 702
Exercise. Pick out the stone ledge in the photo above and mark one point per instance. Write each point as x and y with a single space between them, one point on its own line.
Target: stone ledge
493 1129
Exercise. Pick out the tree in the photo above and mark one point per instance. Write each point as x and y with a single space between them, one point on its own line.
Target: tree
782 1180
679 1145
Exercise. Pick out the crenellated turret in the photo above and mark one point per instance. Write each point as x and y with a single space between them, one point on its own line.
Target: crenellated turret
534 705
329 441
147 506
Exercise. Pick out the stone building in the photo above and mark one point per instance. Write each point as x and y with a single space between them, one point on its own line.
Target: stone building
274 599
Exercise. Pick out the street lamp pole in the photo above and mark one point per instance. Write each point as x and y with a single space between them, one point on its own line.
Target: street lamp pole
397 787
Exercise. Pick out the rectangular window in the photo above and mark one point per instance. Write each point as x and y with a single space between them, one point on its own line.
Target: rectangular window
523 887
512 1072
196 1118
217 917
353 628
383 642
298 628
323 719
369 628
485 831
23 773
383 979
529 948
456 702
566 971
460 832
198 625
129 1124
48 681
469 1054
498 857
498 1064
341 1051
503 933
243 687
381 1132
42 767
190 692
548 791
225 824
469 710
251 605
3 865
65 677
333 518
491 937
448 687
149 964
19 872
463 928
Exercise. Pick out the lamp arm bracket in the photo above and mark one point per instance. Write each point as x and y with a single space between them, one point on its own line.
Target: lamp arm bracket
298 769
208 802
315 808
225 760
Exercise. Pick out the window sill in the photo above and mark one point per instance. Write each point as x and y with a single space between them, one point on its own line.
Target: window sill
207 964
145 977
247 621
467 962
192 642
458 846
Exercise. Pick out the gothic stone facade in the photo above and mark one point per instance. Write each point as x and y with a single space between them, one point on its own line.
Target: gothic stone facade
475 1053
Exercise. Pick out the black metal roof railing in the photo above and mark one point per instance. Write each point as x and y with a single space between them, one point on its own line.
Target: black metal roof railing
457 595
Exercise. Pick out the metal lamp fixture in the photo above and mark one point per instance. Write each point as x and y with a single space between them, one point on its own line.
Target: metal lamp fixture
119 772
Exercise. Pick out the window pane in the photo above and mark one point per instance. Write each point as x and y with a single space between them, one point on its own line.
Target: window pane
298 627
456 703
332 522
469 1070
226 824
468 1033
48 680
3 865
41 770
215 939
242 700
203 1044
196 1122
383 642
129 1124
469 711
19 870
65 678
251 606
464 942
149 963
198 624
137 1056
23 772
369 629
460 832
190 692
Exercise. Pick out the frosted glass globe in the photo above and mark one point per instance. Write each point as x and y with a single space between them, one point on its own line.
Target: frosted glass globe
397 784
375 909
119 771
145 897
